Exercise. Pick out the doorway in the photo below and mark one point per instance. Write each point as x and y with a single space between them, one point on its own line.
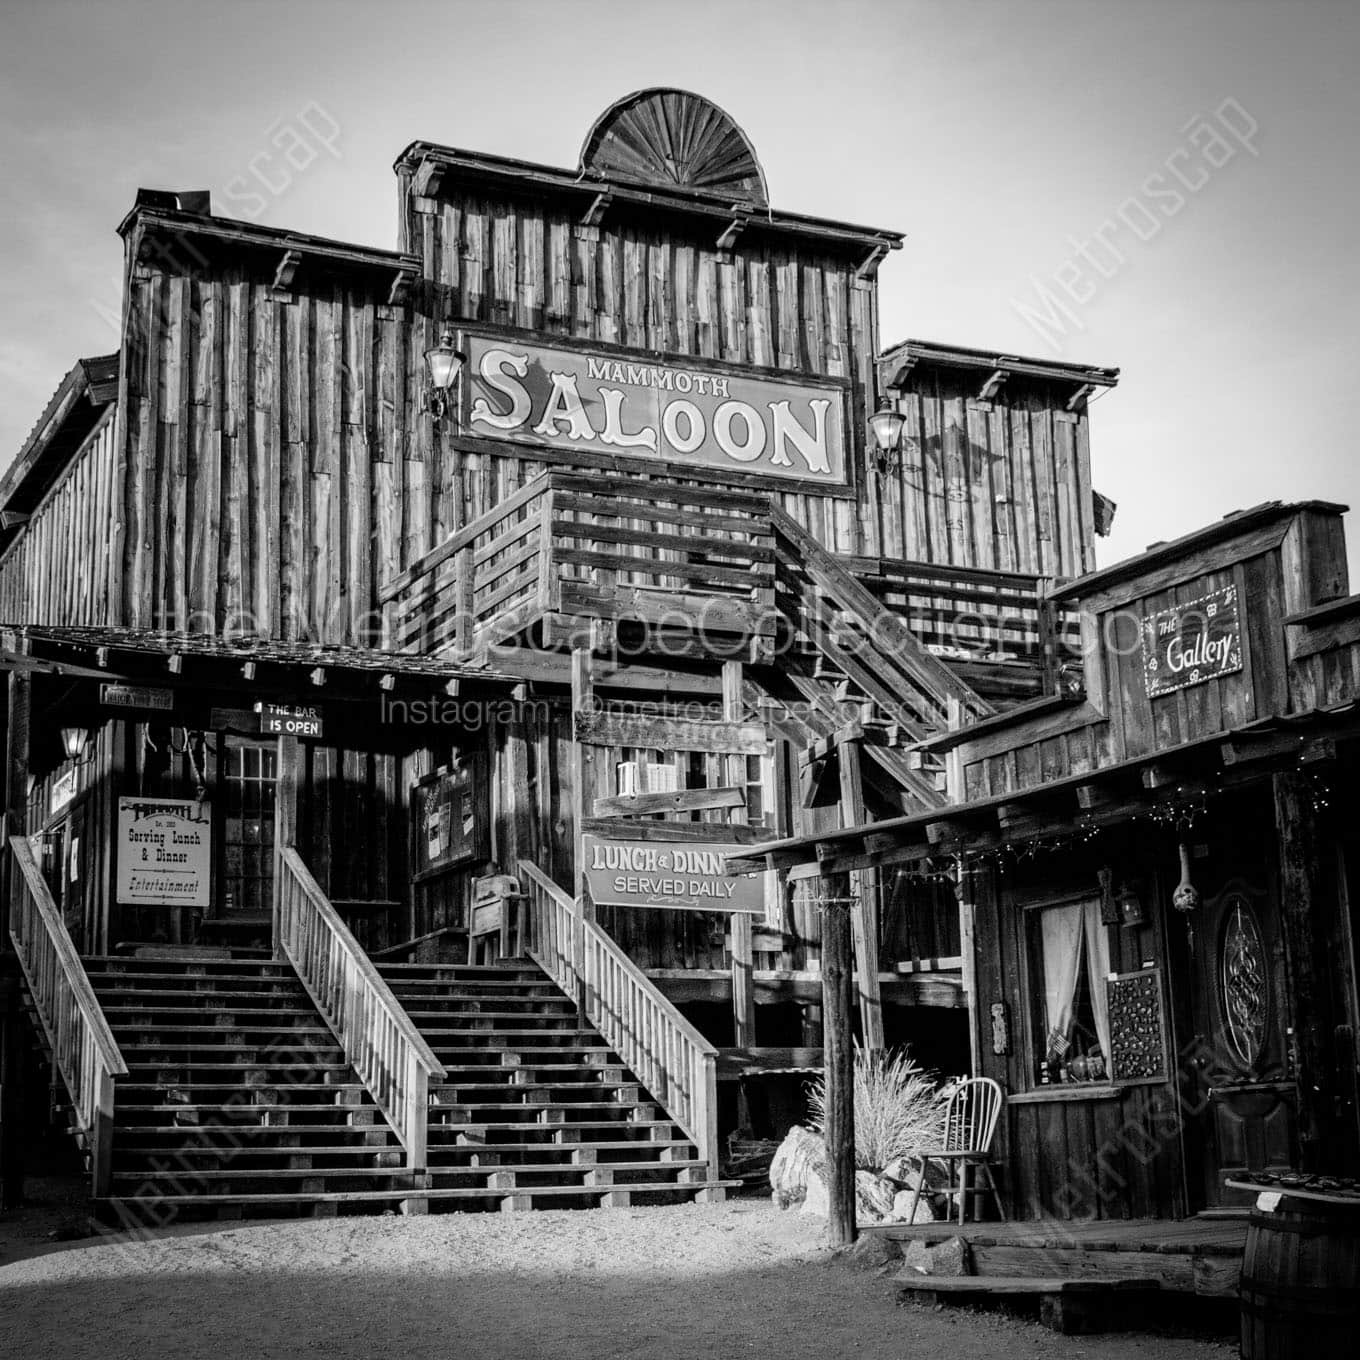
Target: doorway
1239 1090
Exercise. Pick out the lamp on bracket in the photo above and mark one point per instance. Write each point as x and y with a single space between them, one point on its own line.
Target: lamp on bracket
886 426
74 741
443 364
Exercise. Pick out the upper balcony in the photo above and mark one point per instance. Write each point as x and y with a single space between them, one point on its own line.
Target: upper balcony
706 573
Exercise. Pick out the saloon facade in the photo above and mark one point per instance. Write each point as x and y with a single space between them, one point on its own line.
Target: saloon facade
373 610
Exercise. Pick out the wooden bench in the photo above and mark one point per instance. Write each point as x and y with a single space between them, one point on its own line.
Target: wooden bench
1091 1303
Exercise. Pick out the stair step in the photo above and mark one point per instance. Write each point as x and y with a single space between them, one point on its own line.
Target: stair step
374 1196
209 1087
262 1173
234 1151
236 1065
237 1107
200 1013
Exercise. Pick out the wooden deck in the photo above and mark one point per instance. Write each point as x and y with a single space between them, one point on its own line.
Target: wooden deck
1194 1255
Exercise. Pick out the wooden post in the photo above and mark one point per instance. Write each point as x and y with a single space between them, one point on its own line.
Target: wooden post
12 1141
743 952
1307 921
285 821
583 802
16 775
839 1059
864 913
15 823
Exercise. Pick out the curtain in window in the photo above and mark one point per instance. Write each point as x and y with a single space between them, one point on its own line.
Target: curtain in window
1060 931
1063 933
1097 971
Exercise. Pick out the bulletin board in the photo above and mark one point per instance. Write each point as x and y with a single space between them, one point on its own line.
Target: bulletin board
450 817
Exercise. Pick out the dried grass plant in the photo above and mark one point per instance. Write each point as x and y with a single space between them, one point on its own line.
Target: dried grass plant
899 1107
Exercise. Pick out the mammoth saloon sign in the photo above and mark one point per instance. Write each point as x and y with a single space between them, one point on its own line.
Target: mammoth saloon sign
688 414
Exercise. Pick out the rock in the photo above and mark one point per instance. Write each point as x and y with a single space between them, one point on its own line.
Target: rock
901 1208
873 1197
948 1258
872 1251
800 1155
816 1197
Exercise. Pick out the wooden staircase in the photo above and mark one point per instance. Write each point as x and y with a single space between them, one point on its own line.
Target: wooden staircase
536 1110
237 1098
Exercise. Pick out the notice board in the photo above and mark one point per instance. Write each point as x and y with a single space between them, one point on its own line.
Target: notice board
450 816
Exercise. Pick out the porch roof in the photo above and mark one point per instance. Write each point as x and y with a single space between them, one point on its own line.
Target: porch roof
1093 799
100 652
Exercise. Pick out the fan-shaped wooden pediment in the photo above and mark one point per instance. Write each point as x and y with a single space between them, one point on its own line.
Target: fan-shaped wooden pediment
672 137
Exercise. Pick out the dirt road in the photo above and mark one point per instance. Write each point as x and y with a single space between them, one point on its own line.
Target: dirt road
661 1284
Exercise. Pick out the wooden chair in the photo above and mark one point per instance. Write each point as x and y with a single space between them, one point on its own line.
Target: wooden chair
970 1121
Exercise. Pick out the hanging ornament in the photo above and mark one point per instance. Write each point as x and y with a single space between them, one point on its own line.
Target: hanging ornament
1186 898
1109 908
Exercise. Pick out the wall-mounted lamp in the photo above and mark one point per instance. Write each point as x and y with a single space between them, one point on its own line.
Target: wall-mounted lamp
443 363
1131 908
886 425
73 741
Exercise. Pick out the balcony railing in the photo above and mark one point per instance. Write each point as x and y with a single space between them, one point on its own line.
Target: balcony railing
574 546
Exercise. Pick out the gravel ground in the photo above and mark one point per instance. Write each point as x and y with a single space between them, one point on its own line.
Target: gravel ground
698 1281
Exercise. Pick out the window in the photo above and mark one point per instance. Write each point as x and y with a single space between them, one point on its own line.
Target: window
1069 964
248 774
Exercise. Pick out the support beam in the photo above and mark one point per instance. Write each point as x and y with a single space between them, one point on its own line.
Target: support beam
583 775
864 918
287 780
993 385
1308 910
743 951
838 1052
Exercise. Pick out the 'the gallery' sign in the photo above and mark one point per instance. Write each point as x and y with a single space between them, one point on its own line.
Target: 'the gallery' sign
1192 643
689 875
687 413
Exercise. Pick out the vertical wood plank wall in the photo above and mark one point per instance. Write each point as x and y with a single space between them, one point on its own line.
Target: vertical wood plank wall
58 569
274 465
1074 1159
1002 484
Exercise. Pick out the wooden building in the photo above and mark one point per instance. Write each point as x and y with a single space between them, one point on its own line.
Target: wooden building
1157 873
372 668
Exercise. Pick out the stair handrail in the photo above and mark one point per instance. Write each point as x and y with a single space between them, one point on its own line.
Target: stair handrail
848 593
669 1057
380 1040
82 1045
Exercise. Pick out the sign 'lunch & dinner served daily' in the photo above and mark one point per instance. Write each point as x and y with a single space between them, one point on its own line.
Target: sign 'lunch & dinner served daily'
689 875
687 413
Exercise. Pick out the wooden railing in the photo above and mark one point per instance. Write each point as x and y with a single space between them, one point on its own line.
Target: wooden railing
78 1035
974 614
825 602
577 545
672 1060
378 1037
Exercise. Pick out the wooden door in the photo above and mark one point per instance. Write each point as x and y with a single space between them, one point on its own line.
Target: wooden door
1241 1094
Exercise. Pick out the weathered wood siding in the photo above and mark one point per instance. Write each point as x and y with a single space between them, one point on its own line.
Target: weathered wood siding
1002 484
58 570
269 474
1283 568
531 265
1114 1157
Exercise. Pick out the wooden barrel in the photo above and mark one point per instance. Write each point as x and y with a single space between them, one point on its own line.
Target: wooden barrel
1300 1287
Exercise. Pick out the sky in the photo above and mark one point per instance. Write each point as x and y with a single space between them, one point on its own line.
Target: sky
1169 188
